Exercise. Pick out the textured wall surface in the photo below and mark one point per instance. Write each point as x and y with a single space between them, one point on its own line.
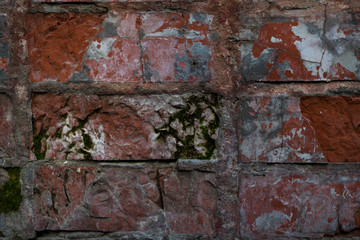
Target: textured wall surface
179 119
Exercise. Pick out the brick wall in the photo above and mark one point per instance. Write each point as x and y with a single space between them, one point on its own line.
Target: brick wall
179 119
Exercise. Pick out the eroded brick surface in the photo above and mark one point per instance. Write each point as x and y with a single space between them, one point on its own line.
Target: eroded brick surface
57 44
295 204
125 47
315 44
272 129
7 144
124 128
336 123
4 48
190 201
123 199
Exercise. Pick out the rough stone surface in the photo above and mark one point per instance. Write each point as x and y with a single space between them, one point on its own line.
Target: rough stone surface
304 45
336 123
273 129
299 204
123 199
7 144
179 119
124 128
58 42
4 48
125 47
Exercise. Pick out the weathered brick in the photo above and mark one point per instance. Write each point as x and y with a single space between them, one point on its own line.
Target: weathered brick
7 143
127 47
190 201
272 129
124 128
123 199
336 121
4 48
285 203
304 45
177 47
58 42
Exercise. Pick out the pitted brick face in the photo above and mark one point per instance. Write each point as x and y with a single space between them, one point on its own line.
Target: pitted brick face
77 127
293 204
58 42
7 144
305 47
4 48
272 129
124 199
336 121
125 47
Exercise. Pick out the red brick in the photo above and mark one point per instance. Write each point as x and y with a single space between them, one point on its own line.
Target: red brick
123 128
86 198
123 199
336 121
58 42
4 48
7 144
177 47
190 201
122 64
298 48
296 204
272 129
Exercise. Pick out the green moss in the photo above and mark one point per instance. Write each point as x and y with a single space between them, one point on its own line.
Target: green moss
72 145
10 192
58 133
87 155
190 114
88 143
37 140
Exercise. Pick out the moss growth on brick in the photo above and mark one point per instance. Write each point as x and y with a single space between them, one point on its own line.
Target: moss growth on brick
88 143
10 192
191 113
37 141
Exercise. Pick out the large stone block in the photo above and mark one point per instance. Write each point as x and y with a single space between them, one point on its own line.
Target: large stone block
301 45
90 198
273 129
120 47
77 126
283 204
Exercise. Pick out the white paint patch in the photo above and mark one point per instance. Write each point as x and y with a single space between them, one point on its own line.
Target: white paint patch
275 40
310 45
101 50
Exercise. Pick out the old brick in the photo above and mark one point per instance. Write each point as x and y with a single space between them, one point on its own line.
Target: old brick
124 128
123 199
4 48
87 198
177 47
336 122
301 46
294 204
127 47
58 42
190 201
272 129
7 144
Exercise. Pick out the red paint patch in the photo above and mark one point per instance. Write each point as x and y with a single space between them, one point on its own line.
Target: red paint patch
336 123
58 42
123 63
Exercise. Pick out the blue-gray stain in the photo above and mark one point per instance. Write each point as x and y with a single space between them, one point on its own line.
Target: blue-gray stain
196 65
